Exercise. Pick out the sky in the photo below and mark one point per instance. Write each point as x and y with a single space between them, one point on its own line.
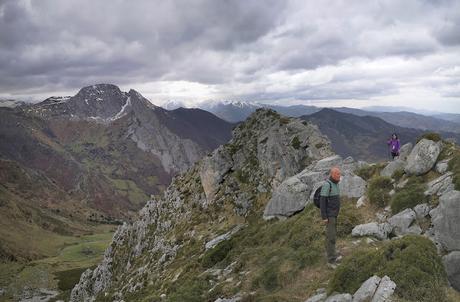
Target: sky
329 53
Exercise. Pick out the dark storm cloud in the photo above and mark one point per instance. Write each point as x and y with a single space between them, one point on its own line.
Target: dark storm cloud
307 50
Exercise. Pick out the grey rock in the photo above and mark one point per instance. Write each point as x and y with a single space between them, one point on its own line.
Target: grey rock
362 201
422 157
340 298
213 169
422 210
440 185
402 221
405 151
367 289
452 266
446 219
377 230
212 243
442 166
392 167
289 198
385 290
317 298
352 186
327 163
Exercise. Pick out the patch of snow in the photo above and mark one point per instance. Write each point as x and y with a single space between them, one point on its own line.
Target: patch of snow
122 111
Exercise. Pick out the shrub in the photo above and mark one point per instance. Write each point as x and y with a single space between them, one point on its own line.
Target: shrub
217 253
295 142
409 196
369 171
379 189
411 262
192 290
398 174
348 219
433 136
454 167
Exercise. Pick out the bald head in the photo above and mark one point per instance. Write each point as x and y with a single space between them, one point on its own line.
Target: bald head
335 174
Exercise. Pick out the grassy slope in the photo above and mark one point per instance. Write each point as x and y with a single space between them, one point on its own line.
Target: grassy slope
68 257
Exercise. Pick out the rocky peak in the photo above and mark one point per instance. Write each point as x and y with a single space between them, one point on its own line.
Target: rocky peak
265 149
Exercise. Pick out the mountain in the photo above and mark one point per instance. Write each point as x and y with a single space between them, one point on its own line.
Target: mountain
70 162
215 234
232 111
362 137
408 120
239 111
452 117
11 103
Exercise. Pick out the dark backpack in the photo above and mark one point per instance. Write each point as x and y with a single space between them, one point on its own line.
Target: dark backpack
317 195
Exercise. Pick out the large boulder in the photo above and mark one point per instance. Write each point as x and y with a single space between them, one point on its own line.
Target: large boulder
440 185
422 210
339 298
445 220
367 289
385 290
289 198
377 230
327 163
405 151
213 169
452 266
392 167
423 157
352 186
402 222
442 166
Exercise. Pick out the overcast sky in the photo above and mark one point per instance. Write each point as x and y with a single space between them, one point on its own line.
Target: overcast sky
331 53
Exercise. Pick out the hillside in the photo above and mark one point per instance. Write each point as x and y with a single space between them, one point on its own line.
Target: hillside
215 233
362 137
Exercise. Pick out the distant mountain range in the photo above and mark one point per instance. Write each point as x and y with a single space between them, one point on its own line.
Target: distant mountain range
238 111
93 157
363 137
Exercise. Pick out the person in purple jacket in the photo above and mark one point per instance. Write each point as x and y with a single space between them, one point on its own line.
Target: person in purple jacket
394 145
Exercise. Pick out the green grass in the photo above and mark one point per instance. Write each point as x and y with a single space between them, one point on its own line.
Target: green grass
409 196
378 190
411 262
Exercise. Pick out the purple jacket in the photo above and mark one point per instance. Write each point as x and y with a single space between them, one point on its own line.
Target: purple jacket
394 145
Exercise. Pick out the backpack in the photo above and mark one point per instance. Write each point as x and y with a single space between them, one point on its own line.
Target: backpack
317 195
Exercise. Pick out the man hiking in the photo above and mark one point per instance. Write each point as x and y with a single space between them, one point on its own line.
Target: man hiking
394 145
330 207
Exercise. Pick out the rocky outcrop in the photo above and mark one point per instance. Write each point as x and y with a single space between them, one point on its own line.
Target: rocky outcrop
297 191
374 289
402 223
452 266
392 167
380 231
445 220
264 151
442 166
422 210
440 185
212 243
405 151
422 157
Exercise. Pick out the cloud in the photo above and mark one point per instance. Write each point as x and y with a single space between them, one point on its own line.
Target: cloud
272 50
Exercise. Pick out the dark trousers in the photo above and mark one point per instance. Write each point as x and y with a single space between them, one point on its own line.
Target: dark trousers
331 235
